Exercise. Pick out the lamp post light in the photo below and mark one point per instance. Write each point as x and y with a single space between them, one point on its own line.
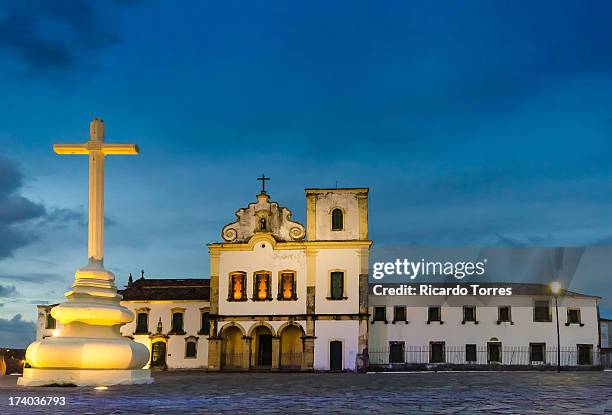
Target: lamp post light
555 288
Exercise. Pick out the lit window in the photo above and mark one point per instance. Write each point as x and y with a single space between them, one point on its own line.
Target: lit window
287 286
262 286
237 289
337 220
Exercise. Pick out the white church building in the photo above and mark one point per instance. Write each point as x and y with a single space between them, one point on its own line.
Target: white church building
283 296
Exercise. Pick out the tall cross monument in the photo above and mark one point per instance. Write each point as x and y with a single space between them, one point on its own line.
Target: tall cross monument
90 350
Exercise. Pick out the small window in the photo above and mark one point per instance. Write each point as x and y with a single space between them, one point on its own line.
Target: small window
494 352
470 353
504 314
287 286
396 352
177 322
142 323
469 313
337 285
237 288
51 323
262 290
399 313
337 220
573 316
585 354
380 314
434 314
191 349
437 353
541 311
537 352
205 329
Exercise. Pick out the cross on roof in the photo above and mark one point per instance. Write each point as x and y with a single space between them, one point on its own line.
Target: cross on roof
263 179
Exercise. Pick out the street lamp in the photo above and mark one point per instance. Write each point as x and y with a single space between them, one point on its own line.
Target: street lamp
555 288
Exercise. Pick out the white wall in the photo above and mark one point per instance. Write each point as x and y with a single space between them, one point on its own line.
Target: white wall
349 204
175 346
524 330
262 258
346 260
346 331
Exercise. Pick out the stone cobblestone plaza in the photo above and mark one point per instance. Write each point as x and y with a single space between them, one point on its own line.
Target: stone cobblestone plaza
195 392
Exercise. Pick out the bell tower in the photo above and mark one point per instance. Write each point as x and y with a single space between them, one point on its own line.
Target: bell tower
337 214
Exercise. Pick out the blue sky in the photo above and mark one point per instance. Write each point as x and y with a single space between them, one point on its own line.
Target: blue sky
473 123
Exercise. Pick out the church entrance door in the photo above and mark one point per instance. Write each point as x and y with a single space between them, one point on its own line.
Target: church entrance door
264 354
335 355
158 354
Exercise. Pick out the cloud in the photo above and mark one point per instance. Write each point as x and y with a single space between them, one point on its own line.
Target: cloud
14 210
16 332
33 277
49 36
8 291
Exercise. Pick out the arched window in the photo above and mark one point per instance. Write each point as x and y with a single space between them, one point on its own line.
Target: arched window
191 349
262 286
237 287
142 323
286 287
337 219
50 321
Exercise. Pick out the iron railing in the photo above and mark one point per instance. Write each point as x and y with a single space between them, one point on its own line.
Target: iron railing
484 355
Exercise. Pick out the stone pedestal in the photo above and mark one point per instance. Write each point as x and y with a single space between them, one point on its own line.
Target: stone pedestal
90 349
84 377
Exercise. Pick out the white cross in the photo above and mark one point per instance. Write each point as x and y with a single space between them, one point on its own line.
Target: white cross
96 149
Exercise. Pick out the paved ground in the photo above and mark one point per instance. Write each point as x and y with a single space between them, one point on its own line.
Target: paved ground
437 393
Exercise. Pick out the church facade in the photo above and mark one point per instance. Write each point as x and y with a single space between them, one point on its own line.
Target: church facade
285 296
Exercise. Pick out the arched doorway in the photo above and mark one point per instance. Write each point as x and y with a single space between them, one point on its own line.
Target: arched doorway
335 355
231 348
262 347
158 355
291 347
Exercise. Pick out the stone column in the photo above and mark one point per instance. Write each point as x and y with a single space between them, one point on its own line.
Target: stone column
214 354
308 353
246 353
275 353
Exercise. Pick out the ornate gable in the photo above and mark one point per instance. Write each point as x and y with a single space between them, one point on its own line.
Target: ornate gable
263 217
